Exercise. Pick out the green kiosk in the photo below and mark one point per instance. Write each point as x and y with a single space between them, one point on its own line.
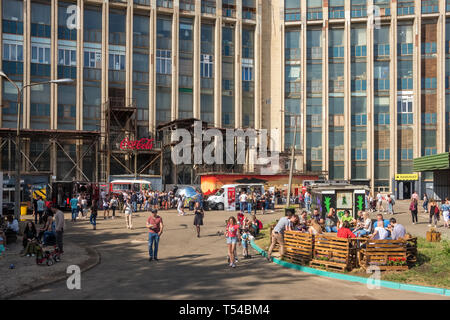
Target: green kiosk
439 165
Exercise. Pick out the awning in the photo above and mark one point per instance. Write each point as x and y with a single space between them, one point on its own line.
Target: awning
432 163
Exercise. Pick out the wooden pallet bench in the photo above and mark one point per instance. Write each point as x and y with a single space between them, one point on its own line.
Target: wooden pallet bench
333 253
379 252
411 250
298 247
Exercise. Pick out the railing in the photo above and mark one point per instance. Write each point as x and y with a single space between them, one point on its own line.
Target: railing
292 53
292 14
248 86
229 12
248 13
116 76
359 11
292 88
143 2
185 81
92 74
314 85
164 80
314 53
207 83
336 85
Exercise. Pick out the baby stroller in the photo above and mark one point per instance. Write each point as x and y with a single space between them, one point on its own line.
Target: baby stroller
48 257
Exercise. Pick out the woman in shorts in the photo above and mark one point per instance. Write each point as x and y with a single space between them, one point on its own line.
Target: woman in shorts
446 212
232 234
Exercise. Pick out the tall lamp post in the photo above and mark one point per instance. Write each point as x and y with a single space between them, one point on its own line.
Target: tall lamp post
17 151
291 169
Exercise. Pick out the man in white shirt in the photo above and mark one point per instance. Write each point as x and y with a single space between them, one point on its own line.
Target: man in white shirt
242 201
380 202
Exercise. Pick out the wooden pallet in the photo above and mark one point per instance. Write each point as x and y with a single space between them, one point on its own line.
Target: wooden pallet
298 247
411 250
328 265
378 252
341 254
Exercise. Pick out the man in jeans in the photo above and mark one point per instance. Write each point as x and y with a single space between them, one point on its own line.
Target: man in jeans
278 234
59 227
74 207
155 229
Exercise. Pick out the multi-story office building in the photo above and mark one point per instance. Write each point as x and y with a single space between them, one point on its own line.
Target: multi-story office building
366 80
370 81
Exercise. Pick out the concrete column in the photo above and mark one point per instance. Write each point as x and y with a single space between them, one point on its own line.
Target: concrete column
196 76
440 132
1 81
417 80
370 98
152 70
238 66
347 95
54 65
282 77
257 68
218 66
26 64
325 90
303 68
129 54
105 163
175 42
80 64
393 140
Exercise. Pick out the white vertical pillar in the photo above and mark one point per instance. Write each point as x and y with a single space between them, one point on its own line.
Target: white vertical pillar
393 140
54 64
129 54
80 64
218 66
370 142
347 94
152 70
257 98
417 78
175 42
238 66
196 76
325 90
441 134
304 50
26 64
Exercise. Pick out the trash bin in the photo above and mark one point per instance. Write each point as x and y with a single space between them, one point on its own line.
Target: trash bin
23 211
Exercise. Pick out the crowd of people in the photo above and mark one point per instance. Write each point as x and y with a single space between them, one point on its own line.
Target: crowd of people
345 227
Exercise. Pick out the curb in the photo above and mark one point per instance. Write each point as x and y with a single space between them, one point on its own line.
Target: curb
94 260
340 276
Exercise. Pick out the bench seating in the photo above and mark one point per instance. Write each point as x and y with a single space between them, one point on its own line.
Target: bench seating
298 247
380 252
333 253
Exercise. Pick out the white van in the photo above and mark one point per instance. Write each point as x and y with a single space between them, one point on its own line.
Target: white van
222 200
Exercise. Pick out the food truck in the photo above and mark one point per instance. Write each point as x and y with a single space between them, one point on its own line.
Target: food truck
342 196
227 196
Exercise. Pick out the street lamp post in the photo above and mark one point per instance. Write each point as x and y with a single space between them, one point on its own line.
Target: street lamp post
291 169
17 151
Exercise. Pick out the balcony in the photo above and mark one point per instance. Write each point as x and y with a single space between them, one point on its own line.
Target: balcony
405 8
359 11
314 85
248 13
228 10
142 2
163 80
336 85
336 13
292 14
292 53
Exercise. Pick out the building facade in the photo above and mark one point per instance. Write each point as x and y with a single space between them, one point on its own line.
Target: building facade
366 80
370 81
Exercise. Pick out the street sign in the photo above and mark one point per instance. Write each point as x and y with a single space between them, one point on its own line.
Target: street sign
407 177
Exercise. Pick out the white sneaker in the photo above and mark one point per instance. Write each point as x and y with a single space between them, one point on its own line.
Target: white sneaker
32 254
429 225
28 255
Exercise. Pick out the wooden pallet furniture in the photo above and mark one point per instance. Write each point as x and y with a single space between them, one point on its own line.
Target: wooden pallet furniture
333 253
298 247
380 253
411 250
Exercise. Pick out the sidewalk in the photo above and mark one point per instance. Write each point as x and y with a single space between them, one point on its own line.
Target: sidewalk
27 275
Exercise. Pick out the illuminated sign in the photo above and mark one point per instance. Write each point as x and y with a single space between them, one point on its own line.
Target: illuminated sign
142 144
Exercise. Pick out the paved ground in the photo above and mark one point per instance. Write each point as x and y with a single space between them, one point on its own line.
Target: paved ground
192 268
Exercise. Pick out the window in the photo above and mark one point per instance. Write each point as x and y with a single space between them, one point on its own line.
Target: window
382 154
382 50
359 85
429 47
359 154
359 119
430 151
92 59
405 49
164 61
67 57
429 118
12 52
40 54
116 61
206 66
407 154
429 83
247 69
405 83
359 51
382 119
336 52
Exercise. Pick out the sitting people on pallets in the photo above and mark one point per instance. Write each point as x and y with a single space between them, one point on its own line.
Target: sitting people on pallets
302 223
380 231
12 229
29 241
397 230
345 232
284 224
315 228
346 217
331 222
363 227
318 217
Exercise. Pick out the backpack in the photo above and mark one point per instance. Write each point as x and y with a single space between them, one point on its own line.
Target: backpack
436 210
412 206
260 225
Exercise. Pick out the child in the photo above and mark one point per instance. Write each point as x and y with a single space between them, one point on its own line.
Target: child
245 237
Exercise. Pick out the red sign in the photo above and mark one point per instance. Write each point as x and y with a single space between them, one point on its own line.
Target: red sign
143 144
